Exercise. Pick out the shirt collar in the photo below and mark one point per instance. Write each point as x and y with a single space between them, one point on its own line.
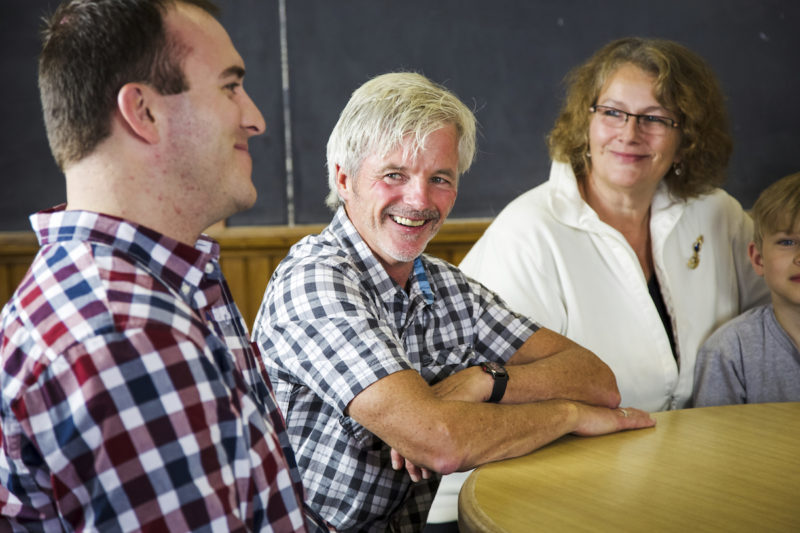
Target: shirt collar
345 232
569 207
178 265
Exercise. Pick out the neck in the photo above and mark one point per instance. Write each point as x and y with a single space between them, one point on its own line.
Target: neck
628 213
133 194
616 206
399 273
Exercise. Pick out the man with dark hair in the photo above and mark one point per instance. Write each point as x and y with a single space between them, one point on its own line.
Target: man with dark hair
132 398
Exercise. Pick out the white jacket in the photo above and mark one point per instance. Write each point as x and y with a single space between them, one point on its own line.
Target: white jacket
551 258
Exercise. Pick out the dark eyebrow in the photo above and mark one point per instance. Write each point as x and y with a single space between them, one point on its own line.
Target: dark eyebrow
234 70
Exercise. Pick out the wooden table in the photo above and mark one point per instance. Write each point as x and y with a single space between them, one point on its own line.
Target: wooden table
731 468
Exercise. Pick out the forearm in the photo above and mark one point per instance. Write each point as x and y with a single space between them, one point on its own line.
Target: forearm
450 435
574 374
465 435
483 433
550 366
506 431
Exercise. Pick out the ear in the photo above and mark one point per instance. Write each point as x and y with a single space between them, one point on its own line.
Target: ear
756 259
344 184
134 102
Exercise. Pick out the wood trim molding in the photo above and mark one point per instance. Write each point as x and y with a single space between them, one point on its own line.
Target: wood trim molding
249 254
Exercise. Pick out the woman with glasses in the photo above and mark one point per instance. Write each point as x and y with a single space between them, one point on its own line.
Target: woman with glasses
630 248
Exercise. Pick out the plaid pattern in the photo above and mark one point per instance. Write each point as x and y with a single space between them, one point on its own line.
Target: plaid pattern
333 322
131 396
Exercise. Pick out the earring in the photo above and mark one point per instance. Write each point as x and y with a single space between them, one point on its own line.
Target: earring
677 169
589 154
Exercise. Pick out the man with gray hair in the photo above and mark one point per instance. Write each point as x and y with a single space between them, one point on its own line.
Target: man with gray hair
392 367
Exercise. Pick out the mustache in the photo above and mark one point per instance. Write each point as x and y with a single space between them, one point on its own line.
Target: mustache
425 214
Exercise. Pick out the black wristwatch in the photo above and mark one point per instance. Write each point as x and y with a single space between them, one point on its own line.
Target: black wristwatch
500 377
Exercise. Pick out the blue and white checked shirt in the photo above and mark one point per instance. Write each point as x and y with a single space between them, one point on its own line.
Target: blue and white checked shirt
131 395
332 323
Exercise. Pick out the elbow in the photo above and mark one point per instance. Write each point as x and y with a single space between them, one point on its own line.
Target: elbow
447 452
613 398
609 394
608 391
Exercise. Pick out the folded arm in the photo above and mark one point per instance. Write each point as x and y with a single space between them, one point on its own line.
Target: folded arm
446 435
548 366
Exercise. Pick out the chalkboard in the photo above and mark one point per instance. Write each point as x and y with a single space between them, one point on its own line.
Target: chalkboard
505 58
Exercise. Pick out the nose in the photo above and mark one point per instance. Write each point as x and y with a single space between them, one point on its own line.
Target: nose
630 128
417 193
252 119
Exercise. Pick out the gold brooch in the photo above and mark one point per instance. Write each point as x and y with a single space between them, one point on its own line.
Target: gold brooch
695 259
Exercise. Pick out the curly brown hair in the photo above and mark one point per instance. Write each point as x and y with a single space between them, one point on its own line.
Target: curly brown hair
684 84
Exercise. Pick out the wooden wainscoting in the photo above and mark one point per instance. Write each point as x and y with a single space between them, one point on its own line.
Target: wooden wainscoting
16 253
249 255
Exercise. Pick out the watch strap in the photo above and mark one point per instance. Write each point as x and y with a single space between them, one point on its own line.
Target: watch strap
500 377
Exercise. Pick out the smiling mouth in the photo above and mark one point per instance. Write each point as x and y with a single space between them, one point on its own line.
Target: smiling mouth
408 222
630 156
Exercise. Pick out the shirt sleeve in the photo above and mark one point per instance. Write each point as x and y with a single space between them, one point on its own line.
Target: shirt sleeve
331 334
499 331
145 429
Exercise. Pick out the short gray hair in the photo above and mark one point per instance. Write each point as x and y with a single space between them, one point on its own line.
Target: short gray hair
386 109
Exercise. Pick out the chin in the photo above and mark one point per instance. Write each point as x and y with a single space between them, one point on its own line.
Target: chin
405 255
246 200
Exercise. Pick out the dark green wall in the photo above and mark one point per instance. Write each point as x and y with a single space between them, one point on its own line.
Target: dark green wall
505 58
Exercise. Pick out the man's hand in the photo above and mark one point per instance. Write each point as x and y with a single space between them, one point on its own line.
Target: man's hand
471 384
416 472
594 421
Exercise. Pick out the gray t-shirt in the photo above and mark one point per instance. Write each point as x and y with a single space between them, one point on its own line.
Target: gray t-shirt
751 359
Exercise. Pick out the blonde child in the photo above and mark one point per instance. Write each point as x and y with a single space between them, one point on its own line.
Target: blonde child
755 358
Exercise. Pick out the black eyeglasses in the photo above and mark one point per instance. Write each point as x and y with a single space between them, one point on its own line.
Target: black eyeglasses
616 118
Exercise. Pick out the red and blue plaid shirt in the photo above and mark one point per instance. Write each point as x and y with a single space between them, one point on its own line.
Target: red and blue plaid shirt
131 396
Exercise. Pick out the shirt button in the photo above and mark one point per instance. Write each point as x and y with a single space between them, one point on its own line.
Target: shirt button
209 268
186 289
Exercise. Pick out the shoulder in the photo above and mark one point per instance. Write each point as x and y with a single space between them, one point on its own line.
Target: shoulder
447 279
528 206
716 203
457 291
318 278
747 328
525 223
76 290
96 360
716 215
316 257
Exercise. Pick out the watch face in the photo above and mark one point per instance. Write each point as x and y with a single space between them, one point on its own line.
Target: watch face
494 369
